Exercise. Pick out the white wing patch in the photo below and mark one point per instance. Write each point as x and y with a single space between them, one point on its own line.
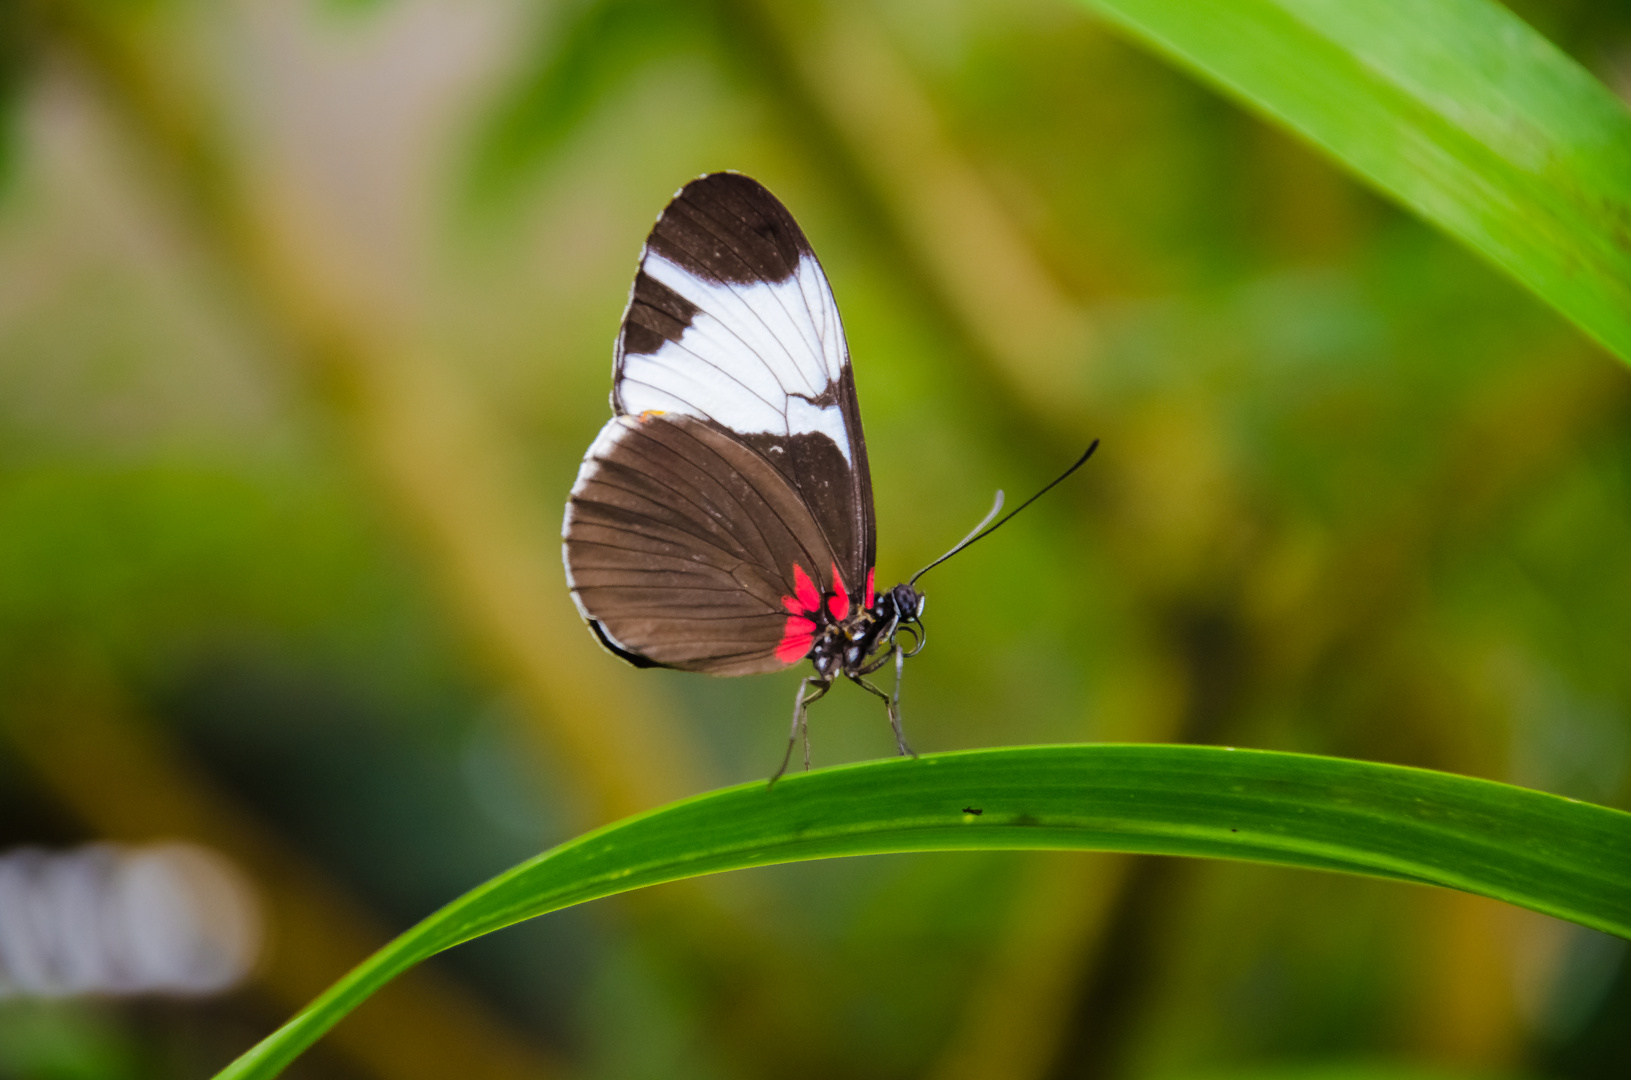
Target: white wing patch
754 357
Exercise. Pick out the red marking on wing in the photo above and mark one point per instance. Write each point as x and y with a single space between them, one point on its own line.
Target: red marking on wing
870 595
796 640
838 603
809 597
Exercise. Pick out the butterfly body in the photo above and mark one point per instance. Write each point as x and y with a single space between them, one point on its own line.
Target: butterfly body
860 643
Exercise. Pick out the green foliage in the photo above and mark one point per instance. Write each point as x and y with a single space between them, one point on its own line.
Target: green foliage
588 53
354 8
63 1041
1456 108
1362 1070
1555 855
148 563
17 46
1392 526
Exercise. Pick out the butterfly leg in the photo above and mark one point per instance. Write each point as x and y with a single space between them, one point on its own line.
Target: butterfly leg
801 722
892 705
894 712
900 662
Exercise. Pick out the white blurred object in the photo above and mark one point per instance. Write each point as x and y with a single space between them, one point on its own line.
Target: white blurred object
168 918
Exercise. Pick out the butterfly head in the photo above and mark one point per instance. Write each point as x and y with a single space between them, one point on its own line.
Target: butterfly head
903 605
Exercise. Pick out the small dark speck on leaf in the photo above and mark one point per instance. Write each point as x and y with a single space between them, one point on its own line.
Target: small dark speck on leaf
1234 830
975 810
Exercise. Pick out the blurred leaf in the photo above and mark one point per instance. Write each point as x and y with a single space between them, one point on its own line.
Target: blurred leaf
64 1040
167 559
346 8
1454 107
18 42
594 50
1360 1070
1539 851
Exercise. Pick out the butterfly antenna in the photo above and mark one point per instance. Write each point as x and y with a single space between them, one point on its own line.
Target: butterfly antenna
981 532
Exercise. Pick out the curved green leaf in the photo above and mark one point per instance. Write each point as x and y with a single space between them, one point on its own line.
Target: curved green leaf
1555 855
1456 108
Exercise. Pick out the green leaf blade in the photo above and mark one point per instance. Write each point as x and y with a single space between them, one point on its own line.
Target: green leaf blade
1565 858
1455 108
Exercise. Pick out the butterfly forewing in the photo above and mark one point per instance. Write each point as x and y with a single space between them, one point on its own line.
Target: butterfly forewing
731 485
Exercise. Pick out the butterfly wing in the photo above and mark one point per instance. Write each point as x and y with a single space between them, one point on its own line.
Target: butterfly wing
728 499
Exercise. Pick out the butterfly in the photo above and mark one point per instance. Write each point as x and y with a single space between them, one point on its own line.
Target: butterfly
722 520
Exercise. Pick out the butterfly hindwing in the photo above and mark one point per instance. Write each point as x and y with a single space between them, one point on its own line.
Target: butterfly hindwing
731 484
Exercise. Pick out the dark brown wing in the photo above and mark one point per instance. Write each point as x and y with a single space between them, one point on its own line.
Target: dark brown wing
731 319
681 544
735 460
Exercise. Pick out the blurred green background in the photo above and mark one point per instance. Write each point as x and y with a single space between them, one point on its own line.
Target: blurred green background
306 314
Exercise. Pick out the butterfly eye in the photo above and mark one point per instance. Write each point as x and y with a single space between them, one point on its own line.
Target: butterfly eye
907 600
